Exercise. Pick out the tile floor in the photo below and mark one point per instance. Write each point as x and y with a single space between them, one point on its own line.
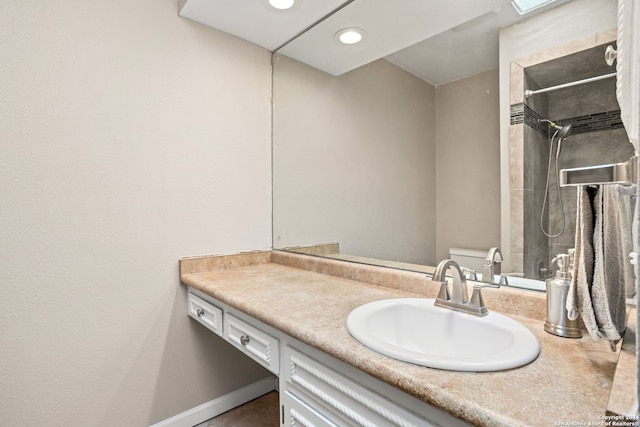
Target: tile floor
261 412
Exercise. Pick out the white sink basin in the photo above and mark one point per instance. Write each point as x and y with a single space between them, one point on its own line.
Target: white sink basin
414 330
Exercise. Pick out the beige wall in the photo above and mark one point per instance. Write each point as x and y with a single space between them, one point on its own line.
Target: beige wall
354 160
385 164
468 164
129 137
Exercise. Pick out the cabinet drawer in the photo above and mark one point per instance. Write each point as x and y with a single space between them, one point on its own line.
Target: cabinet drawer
296 413
323 388
257 344
207 314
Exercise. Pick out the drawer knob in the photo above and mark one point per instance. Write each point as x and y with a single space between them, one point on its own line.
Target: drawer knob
200 312
244 339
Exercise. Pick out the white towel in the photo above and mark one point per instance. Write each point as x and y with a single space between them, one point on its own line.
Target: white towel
597 290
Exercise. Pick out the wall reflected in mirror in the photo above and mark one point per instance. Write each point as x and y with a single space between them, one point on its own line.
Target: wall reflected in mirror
357 158
349 158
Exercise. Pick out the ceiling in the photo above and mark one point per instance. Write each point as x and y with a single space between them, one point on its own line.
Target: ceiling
436 40
256 21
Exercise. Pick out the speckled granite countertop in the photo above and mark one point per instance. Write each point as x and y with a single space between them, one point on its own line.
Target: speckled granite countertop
309 299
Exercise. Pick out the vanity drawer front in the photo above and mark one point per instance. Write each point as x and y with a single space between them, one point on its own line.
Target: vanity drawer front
296 413
312 382
207 314
257 344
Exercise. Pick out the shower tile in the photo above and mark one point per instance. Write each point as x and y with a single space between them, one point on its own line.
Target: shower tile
538 201
529 216
569 196
517 220
535 256
516 156
528 159
621 148
607 120
516 114
587 149
536 243
517 84
555 216
557 52
606 37
583 100
539 160
539 216
538 103
533 118
517 262
528 238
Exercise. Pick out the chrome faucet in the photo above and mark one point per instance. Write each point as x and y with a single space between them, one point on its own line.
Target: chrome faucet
458 299
492 265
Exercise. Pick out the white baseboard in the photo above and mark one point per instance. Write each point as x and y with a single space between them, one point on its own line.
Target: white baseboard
220 405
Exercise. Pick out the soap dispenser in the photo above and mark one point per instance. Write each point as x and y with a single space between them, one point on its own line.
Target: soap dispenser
557 290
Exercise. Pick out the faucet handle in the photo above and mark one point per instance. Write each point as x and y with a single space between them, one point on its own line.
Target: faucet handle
477 300
476 296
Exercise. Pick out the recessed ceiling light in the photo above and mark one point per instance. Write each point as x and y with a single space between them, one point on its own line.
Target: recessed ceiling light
350 35
281 4
526 6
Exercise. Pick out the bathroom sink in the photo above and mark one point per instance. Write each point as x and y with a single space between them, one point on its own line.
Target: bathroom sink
414 330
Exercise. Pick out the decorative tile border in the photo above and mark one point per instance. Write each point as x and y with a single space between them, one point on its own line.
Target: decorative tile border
594 122
607 120
522 113
532 119
516 114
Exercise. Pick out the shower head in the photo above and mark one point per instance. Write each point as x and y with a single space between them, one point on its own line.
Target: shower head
563 130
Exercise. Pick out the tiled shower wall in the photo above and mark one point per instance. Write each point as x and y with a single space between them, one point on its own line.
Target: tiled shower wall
597 137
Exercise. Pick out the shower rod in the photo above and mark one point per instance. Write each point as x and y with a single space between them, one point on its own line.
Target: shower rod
528 93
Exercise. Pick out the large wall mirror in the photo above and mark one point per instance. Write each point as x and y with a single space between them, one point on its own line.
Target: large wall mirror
400 156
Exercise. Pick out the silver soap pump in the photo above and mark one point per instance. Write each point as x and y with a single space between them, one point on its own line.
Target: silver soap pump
557 290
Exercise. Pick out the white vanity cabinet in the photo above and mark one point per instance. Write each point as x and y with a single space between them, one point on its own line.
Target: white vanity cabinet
251 340
341 400
204 312
297 413
317 390
257 344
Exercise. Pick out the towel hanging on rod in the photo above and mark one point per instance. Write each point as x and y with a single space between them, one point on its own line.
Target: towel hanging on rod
625 173
529 93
